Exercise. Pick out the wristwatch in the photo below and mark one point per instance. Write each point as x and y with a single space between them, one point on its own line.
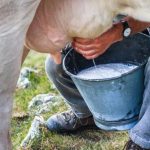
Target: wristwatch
126 29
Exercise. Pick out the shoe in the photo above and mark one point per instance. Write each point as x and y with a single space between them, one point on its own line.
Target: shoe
67 122
130 145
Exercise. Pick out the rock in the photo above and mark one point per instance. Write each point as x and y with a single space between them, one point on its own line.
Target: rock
23 81
34 131
43 103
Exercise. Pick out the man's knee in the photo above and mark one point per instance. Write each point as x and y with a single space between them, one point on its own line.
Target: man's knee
147 72
50 67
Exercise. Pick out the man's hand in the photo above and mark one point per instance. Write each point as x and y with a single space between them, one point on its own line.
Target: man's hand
91 49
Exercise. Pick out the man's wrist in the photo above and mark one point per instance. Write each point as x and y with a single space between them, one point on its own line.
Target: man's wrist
135 25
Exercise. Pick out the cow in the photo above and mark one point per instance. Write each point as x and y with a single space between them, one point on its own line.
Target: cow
25 22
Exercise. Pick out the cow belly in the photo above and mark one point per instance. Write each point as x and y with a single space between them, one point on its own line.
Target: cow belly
57 22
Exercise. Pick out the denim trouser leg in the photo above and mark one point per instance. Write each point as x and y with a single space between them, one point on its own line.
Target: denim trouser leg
140 134
67 88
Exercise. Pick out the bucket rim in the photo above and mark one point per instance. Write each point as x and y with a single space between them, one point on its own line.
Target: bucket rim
140 65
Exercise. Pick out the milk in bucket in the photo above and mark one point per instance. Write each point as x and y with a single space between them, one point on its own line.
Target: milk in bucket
106 71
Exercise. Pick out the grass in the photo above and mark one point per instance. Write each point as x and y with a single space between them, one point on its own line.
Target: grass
89 139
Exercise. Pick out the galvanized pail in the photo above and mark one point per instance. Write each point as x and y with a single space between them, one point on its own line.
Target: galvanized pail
115 103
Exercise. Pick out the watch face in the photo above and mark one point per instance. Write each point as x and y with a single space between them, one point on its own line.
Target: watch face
127 32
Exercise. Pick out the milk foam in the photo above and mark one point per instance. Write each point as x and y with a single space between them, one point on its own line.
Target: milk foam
106 71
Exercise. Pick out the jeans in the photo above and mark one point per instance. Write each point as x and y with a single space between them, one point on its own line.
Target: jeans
140 134
67 88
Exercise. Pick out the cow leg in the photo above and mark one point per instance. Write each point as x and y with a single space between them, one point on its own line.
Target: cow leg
25 54
15 17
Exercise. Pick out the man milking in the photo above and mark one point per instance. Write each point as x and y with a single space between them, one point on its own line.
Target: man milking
80 115
15 18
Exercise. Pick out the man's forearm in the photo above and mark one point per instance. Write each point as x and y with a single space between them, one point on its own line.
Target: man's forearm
136 26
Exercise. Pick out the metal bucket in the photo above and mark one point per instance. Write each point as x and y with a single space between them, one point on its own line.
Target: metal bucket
115 103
